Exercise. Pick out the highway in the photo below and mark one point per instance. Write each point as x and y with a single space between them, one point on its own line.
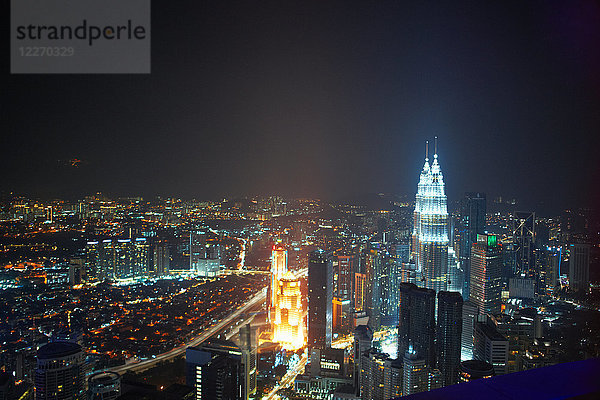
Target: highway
178 351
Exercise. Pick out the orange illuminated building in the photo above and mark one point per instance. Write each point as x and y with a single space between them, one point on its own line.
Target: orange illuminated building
288 316
278 270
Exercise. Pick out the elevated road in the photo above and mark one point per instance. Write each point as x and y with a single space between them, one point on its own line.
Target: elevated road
143 365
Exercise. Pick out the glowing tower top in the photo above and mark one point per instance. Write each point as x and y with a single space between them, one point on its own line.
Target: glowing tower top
430 230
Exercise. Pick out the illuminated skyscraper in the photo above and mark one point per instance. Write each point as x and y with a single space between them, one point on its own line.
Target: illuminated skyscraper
278 269
430 231
288 327
486 274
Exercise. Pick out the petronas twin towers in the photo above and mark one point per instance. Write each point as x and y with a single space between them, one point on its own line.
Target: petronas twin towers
430 231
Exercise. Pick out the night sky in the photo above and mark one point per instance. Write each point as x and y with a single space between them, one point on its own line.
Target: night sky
325 100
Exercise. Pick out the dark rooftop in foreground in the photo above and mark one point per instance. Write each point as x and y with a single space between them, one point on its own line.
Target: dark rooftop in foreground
579 379
57 349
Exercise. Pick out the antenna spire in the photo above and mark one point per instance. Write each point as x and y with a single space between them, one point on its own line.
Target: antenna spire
427 149
435 144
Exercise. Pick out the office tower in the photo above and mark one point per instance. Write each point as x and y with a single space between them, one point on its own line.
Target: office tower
490 346
448 333
363 340
474 369
104 386
524 243
287 315
381 377
471 222
60 372
360 292
344 272
430 231
469 317
389 279
279 266
249 346
579 267
552 268
342 294
486 270
456 274
415 373
161 259
216 371
372 268
320 300
417 322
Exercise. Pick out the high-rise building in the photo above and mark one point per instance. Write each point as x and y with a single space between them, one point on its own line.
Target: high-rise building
216 371
344 273
579 267
279 266
161 259
288 317
416 327
415 373
117 259
430 231
60 372
470 223
449 331
490 346
553 259
524 243
486 274
248 344
469 317
363 339
320 300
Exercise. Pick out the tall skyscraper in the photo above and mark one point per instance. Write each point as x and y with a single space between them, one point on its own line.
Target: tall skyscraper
279 266
471 222
216 371
320 300
579 267
486 274
60 372
449 331
416 327
430 231
363 339
524 243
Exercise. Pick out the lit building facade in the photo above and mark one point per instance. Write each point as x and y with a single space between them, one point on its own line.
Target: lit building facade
430 230
278 269
486 274
288 317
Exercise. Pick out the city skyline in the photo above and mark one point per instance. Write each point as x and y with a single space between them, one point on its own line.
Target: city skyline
336 104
